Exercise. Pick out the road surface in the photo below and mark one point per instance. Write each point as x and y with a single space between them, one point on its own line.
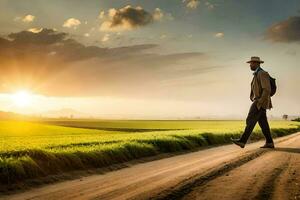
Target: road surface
225 172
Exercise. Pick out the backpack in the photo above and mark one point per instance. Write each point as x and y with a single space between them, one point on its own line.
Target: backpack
273 85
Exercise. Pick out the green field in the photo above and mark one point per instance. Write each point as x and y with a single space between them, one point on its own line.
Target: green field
31 149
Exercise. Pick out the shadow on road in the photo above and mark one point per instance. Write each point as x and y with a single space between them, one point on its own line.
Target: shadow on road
288 149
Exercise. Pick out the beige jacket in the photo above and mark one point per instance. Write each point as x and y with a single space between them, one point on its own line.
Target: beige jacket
261 89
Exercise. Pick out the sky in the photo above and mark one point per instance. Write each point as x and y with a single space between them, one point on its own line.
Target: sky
147 58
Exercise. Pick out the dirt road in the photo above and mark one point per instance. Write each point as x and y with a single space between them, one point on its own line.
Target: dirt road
225 172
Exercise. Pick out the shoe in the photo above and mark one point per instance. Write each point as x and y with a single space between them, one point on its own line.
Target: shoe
238 142
268 145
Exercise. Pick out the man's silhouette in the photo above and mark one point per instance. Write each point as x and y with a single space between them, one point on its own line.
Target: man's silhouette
260 96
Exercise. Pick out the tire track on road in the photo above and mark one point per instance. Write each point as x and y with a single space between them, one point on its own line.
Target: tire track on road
266 179
268 188
182 190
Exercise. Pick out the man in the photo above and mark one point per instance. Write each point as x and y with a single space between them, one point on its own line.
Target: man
260 96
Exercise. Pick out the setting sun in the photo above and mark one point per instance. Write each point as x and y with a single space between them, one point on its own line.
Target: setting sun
22 98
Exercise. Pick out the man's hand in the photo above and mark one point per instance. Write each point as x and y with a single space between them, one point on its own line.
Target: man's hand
263 98
257 103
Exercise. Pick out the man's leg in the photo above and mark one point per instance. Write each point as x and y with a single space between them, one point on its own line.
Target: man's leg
264 125
253 117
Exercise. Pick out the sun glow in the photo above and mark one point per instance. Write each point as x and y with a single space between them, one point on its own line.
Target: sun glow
22 98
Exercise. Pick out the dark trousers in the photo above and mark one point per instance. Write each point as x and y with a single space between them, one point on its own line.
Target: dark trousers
259 116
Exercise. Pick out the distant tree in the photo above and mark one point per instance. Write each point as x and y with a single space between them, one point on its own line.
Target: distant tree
297 119
285 117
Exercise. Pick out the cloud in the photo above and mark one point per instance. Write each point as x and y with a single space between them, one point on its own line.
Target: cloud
158 14
128 18
44 37
101 14
52 63
209 5
28 18
35 30
105 38
25 19
72 22
285 31
194 4
219 35
191 4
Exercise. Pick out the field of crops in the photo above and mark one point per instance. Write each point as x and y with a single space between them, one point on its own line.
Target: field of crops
30 149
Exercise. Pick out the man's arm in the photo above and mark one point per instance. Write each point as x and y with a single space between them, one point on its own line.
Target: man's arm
266 88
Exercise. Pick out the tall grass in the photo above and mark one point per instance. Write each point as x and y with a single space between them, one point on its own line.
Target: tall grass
32 150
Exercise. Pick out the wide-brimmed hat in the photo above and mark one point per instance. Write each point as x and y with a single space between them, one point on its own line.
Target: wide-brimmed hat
255 59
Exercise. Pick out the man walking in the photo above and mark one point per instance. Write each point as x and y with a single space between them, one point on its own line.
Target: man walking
260 96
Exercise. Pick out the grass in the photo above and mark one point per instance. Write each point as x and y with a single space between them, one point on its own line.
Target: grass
31 150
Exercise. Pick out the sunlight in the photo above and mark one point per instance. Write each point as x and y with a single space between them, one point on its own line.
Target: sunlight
22 98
